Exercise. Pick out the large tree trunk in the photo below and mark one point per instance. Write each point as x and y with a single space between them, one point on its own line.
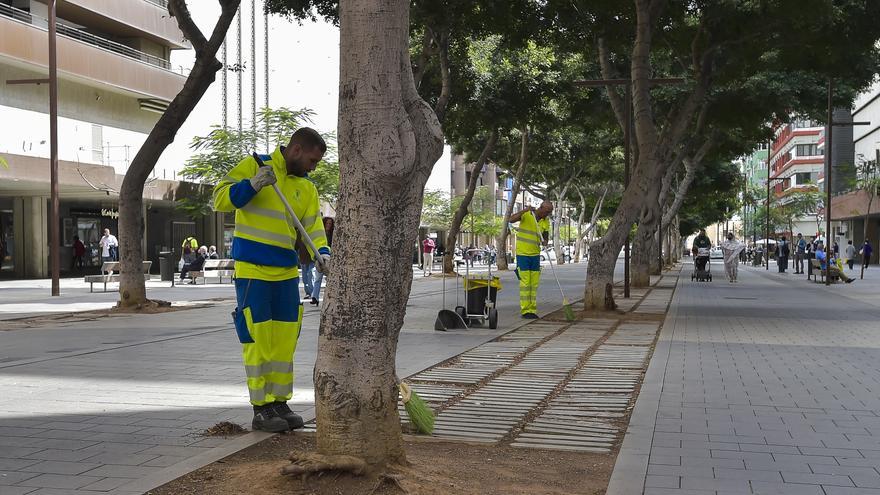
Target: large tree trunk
132 288
462 211
644 248
501 257
389 139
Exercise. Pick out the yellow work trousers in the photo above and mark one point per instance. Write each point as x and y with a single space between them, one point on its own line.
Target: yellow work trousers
528 270
268 328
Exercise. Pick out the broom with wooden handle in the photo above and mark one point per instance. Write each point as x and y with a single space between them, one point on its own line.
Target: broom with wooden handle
417 409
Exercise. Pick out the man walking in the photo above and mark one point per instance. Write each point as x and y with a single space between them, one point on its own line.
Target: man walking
532 233
850 254
866 254
428 256
109 244
799 254
269 313
730 249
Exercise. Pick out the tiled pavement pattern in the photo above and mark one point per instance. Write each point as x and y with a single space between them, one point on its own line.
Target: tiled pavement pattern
117 405
547 385
768 386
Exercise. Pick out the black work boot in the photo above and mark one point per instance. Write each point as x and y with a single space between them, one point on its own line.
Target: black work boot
294 420
266 419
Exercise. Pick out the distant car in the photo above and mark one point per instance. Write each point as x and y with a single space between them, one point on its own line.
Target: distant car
716 253
552 255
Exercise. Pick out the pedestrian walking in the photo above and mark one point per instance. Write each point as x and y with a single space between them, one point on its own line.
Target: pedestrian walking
799 254
319 276
428 247
532 233
79 252
306 268
269 314
730 249
866 252
109 246
850 254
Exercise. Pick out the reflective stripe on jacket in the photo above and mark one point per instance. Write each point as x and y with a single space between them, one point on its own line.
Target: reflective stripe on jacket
263 233
529 234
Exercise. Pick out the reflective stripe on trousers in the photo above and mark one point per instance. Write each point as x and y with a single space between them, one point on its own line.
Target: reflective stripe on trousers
528 269
274 318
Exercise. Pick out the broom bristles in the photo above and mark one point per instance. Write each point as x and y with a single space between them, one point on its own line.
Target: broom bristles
420 414
566 307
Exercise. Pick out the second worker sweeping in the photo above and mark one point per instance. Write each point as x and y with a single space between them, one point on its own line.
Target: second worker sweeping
533 231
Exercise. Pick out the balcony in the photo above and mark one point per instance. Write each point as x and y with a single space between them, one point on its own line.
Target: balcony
84 56
146 19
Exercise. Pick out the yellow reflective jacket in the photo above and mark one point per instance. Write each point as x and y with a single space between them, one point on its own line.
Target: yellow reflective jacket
529 234
263 233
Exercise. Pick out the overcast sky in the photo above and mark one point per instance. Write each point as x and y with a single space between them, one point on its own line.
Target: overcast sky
303 72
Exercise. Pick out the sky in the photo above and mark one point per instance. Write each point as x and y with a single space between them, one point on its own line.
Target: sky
303 73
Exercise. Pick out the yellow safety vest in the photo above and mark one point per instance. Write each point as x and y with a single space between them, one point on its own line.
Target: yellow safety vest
529 234
263 234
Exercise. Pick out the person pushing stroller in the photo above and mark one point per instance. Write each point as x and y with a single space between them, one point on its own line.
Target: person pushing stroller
701 248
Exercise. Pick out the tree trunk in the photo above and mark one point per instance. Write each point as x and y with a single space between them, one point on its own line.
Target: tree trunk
578 244
389 140
865 229
557 237
501 257
462 211
132 288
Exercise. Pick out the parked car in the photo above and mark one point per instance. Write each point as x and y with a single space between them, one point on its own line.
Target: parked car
716 254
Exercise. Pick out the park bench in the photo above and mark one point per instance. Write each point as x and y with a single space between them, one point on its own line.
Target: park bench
107 274
214 268
817 270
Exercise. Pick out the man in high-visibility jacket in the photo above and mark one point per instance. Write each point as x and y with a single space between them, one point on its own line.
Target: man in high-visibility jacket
532 233
269 313
189 248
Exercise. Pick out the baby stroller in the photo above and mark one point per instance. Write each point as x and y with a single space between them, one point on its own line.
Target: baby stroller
702 266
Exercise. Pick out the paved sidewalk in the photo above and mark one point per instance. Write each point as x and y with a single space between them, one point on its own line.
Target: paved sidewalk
116 405
768 386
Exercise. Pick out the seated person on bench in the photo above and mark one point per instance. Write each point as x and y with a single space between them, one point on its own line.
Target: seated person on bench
196 264
831 271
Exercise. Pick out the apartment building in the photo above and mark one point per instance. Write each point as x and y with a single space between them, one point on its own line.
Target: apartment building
115 79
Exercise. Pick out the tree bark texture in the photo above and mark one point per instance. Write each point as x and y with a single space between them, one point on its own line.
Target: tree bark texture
389 139
501 256
557 214
462 210
132 288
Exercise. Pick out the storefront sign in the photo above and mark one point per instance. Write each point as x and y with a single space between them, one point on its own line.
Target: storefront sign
110 213
79 212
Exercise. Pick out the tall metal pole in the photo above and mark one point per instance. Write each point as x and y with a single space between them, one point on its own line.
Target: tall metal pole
240 69
54 255
767 209
223 85
829 129
269 144
627 124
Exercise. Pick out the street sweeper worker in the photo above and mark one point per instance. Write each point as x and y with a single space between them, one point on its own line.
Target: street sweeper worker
269 314
532 233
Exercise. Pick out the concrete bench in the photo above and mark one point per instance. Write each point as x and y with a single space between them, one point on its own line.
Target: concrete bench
107 269
817 270
214 269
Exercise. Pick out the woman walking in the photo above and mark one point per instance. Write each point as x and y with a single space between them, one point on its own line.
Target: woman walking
731 249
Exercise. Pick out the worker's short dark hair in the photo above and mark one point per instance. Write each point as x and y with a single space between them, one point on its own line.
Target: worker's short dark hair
309 139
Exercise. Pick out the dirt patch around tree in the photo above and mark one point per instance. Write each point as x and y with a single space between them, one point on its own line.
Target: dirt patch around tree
436 468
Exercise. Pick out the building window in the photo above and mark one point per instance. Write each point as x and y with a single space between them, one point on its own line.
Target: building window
808 150
803 178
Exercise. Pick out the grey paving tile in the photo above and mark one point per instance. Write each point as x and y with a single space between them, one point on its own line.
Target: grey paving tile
62 481
60 467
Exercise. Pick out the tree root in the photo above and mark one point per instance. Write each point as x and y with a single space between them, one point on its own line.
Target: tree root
392 478
305 464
